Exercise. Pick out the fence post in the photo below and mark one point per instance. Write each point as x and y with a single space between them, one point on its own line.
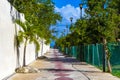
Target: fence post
104 60
98 56
88 54
93 56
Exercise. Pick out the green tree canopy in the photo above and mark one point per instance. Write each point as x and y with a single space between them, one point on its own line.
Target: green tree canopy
39 16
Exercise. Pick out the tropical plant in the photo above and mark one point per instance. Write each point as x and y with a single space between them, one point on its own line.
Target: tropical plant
103 20
100 24
25 35
39 16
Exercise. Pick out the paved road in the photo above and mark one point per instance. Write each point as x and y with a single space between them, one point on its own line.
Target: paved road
58 67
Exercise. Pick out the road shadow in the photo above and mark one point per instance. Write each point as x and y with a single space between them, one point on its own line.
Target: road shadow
63 59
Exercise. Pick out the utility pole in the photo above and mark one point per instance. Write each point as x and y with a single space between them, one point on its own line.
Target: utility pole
81 6
67 29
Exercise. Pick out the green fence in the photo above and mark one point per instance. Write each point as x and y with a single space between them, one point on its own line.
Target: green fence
114 49
93 54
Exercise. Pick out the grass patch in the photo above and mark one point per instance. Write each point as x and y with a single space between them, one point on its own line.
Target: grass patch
116 70
100 67
116 73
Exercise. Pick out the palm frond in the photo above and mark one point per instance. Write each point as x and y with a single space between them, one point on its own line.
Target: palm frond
21 36
37 44
22 24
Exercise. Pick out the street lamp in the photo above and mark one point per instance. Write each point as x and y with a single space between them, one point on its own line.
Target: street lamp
81 6
67 28
64 32
71 18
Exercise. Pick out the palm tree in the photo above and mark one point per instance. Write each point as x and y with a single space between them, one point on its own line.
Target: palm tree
39 16
27 35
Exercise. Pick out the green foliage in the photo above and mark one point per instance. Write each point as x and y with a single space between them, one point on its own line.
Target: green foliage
101 25
26 33
102 21
39 16
116 73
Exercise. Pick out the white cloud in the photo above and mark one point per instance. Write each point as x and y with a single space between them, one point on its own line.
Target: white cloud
69 11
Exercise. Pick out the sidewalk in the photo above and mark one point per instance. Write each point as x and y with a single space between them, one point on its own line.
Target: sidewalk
58 67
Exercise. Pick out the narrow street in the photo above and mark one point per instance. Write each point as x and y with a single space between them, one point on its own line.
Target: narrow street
58 67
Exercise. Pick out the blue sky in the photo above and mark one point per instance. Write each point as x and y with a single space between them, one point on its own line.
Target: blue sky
67 9
61 3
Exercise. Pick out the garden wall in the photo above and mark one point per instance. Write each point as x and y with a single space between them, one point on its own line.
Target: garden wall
8 55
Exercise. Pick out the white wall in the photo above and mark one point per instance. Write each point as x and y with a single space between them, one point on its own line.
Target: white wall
8 54
43 48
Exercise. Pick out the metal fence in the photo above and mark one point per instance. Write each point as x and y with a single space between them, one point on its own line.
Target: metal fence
94 54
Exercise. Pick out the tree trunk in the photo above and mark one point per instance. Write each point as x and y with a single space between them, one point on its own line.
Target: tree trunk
24 53
16 43
36 53
18 55
42 48
107 55
109 66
